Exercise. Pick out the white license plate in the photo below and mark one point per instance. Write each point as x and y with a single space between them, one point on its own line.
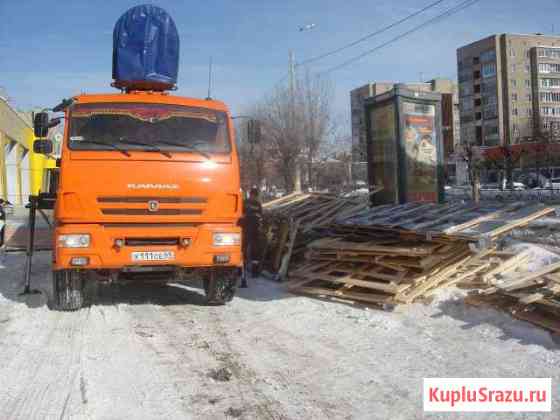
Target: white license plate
153 256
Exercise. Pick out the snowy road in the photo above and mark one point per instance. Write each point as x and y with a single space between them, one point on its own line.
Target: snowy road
158 353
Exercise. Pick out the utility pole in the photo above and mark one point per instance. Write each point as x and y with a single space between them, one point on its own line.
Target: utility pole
292 82
292 74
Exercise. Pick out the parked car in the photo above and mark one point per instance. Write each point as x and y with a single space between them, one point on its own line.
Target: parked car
519 186
553 183
492 186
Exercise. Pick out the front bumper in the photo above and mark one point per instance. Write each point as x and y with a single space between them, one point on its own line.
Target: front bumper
103 254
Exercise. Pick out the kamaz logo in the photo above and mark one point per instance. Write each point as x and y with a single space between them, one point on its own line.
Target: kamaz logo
153 186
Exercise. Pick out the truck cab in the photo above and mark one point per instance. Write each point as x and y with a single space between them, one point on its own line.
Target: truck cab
148 189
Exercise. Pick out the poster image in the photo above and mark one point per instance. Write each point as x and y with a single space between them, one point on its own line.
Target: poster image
419 137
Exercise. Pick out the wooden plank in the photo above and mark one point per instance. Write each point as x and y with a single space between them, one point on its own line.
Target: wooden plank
520 222
366 284
528 279
284 200
479 220
420 249
283 232
283 271
309 268
535 297
507 265
363 297
433 281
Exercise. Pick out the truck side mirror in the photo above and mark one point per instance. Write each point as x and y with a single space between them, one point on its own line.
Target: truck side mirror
41 125
43 147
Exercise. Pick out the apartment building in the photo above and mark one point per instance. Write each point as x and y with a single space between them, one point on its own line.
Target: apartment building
508 88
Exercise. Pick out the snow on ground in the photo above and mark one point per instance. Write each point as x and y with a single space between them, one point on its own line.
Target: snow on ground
150 352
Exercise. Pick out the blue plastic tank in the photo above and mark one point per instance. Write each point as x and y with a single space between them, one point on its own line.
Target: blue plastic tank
145 50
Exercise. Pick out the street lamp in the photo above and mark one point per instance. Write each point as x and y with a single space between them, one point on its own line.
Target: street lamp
292 77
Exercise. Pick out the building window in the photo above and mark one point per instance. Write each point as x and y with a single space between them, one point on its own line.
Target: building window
549 96
514 112
527 83
511 52
549 68
475 60
465 89
489 55
527 68
549 52
489 86
550 83
513 83
490 130
465 74
488 70
514 97
466 104
513 68
490 111
489 99
529 97
550 111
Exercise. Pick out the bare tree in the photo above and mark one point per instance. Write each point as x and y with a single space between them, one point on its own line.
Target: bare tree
295 124
471 155
315 96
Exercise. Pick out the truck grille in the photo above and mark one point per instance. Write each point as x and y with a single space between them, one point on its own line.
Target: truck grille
159 207
151 241
140 200
146 212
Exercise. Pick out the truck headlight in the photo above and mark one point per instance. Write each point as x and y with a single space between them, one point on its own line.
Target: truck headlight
226 239
74 241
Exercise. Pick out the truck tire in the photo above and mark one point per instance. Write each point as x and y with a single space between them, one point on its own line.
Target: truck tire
220 286
68 290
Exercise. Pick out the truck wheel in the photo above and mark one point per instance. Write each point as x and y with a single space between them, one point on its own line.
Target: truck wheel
68 290
220 286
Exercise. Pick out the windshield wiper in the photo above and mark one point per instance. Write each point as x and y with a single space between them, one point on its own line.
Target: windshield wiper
152 146
101 143
188 147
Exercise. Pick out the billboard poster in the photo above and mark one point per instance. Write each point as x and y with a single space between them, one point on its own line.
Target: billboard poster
384 152
419 137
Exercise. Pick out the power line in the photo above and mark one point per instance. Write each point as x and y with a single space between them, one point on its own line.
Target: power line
456 9
368 36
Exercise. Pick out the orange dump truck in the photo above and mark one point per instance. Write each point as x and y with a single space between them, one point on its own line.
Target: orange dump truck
148 188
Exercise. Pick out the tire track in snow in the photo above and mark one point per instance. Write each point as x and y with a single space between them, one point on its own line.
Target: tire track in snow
192 339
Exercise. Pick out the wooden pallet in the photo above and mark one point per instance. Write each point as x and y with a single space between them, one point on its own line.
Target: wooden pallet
532 297
380 269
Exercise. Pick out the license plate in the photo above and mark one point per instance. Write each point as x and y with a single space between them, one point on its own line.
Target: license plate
153 256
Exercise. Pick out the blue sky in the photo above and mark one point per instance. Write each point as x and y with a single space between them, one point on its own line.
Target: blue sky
51 50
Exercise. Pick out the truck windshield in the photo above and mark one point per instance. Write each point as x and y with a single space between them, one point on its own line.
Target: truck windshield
148 127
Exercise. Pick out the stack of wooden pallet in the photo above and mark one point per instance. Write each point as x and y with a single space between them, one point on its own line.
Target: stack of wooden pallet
390 268
384 270
294 221
470 221
532 297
